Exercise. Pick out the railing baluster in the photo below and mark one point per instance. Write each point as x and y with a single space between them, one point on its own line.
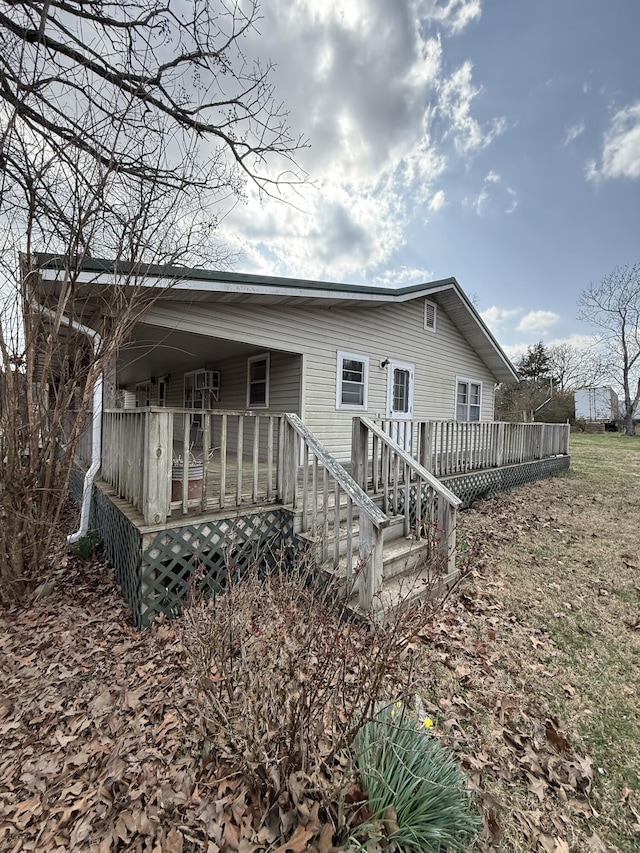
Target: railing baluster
256 457
336 523
270 460
239 459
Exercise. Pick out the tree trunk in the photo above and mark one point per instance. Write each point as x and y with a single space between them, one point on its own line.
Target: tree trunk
629 426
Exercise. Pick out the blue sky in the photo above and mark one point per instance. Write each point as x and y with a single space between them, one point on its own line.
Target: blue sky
497 141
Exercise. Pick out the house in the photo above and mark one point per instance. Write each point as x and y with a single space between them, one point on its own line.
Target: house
314 405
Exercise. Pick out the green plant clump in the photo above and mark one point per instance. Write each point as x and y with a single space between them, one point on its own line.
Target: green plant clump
86 547
413 785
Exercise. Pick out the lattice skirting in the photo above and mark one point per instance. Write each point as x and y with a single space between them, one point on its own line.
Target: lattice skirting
120 538
157 572
483 484
203 556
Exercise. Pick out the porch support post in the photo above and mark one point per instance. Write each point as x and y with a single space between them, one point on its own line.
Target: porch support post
156 486
109 385
359 444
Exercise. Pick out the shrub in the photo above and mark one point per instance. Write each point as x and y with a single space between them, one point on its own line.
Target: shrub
413 785
286 680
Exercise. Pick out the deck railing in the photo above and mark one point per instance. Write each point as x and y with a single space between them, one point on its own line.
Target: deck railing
313 482
453 447
381 464
165 460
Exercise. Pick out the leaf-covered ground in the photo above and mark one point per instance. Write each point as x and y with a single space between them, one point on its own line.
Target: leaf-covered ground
531 672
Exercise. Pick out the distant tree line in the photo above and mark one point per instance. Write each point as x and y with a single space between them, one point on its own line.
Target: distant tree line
548 377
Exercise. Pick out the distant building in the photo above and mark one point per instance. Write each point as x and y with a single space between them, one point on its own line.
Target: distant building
597 404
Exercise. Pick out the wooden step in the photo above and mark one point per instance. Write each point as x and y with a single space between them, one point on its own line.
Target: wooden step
404 591
400 556
395 530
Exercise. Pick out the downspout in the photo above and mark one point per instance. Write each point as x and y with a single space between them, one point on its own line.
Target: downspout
96 436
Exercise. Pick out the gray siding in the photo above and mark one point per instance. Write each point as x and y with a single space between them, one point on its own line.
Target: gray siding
379 332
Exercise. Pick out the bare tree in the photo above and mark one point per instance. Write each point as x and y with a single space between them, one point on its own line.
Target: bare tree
612 307
124 129
575 367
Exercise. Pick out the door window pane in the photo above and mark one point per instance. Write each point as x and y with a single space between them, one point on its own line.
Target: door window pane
400 390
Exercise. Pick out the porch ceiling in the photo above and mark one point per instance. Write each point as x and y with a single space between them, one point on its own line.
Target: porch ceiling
155 351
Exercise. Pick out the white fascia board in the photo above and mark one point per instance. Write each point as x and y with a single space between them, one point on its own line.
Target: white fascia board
211 286
199 285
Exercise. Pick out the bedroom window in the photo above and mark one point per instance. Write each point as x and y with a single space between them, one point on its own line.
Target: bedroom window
258 381
468 400
352 381
429 315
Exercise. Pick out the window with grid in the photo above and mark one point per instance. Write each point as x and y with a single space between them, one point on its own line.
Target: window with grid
468 400
258 381
352 379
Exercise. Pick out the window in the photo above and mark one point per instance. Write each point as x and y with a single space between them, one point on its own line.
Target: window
352 381
258 381
162 391
143 394
468 400
429 315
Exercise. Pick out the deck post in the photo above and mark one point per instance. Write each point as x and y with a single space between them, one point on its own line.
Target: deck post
499 449
156 494
447 536
370 569
425 449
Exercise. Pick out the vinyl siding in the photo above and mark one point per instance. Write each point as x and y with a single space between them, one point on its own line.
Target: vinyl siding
379 332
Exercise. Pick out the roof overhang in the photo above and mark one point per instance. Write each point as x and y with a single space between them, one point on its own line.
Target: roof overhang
194 285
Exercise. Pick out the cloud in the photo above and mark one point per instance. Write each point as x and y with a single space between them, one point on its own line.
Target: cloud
438 201
457 14
573 133
456 96
621 147
364 80
537 321
514 352
480 203
496 318
403 276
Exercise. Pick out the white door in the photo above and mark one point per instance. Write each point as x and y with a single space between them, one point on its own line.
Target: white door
400 380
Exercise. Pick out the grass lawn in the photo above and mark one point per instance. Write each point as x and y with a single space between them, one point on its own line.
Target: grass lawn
536 670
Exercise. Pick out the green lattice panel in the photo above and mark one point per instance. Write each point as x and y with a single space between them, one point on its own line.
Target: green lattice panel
203 556
122 546
483 484
120 539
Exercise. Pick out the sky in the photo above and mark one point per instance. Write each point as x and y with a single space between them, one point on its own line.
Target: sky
497 141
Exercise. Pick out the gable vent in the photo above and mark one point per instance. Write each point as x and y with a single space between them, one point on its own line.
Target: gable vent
429 315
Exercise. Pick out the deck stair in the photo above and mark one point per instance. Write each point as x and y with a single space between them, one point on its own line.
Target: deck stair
385 531
409 574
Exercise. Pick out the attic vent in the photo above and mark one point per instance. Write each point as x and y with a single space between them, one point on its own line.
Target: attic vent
429 315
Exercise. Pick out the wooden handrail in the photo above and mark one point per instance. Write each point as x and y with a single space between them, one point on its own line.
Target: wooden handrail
360 498
438 487
317 509
403 480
